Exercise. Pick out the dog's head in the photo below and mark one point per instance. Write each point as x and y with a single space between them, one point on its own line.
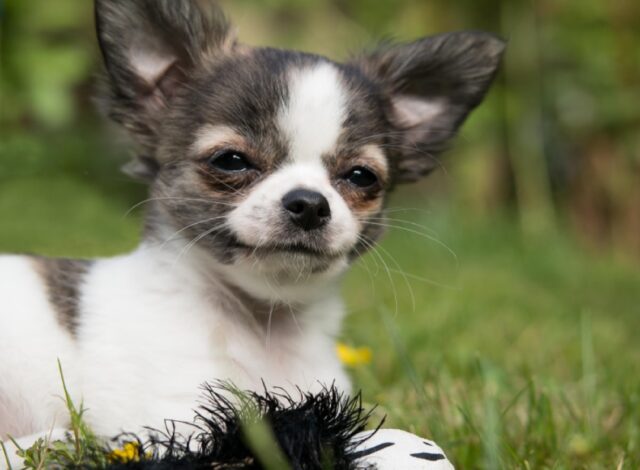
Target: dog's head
277 161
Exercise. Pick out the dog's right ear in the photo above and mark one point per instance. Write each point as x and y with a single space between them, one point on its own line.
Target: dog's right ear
150 47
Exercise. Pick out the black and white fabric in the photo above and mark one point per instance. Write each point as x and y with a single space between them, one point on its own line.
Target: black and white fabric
393 449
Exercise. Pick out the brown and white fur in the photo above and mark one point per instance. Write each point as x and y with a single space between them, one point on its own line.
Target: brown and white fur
268 171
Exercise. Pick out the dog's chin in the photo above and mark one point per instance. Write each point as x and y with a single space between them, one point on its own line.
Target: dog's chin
289 259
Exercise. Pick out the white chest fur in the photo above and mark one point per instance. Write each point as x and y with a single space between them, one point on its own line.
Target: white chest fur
151 331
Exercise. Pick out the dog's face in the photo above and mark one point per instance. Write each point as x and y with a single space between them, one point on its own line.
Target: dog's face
276 161
280 161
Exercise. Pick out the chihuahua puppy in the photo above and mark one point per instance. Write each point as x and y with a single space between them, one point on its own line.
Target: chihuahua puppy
268 173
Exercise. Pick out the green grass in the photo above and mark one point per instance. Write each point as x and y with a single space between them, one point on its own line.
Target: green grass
525 356
82 449
512 353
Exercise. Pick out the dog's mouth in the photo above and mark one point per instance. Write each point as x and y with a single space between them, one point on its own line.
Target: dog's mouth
295 248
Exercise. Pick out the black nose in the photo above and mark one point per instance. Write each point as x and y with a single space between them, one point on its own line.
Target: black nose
308 209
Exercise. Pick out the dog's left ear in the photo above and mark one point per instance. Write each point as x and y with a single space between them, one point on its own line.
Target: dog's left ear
150 49
432 84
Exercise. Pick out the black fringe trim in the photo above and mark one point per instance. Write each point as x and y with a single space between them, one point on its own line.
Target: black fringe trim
313 431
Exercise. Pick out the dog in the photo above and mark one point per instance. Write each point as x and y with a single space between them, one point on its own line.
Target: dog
268 172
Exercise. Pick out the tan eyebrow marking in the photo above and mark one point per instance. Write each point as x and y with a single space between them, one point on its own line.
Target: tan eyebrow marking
210 136
372 156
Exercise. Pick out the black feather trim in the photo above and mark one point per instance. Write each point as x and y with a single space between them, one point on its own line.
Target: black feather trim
313 431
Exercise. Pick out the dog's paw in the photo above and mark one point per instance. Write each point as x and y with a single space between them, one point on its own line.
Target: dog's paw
392 449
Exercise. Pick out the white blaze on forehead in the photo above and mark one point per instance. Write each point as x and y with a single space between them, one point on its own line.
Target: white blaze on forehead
313 116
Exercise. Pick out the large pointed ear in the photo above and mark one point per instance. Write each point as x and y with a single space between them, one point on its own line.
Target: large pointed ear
150 47
432 84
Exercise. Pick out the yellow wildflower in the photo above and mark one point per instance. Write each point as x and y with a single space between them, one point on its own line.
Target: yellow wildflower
351 356
130 452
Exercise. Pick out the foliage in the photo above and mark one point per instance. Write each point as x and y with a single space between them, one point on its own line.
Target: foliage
47 57
82 449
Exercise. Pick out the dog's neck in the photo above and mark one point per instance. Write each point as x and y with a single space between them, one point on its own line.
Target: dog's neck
240 290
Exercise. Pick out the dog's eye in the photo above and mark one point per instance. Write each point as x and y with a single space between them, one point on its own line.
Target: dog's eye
361 177
229 160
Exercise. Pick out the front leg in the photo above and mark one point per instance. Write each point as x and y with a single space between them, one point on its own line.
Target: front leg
25 442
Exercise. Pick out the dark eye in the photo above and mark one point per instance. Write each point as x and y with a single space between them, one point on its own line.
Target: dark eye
229 160
361 177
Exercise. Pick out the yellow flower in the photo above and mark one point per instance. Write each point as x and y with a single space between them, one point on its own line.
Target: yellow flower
130 452
351 356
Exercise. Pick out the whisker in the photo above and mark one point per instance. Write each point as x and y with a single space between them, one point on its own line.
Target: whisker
408 222
399 271
293 317
424 235
171 237
228 186
363 261
407 209
193 242
386 267
426 280
152 199
268 338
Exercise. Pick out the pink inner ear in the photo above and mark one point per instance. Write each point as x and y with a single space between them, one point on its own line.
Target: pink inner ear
411 111
150 60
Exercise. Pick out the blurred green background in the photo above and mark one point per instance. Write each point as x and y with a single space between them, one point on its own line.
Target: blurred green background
506 297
